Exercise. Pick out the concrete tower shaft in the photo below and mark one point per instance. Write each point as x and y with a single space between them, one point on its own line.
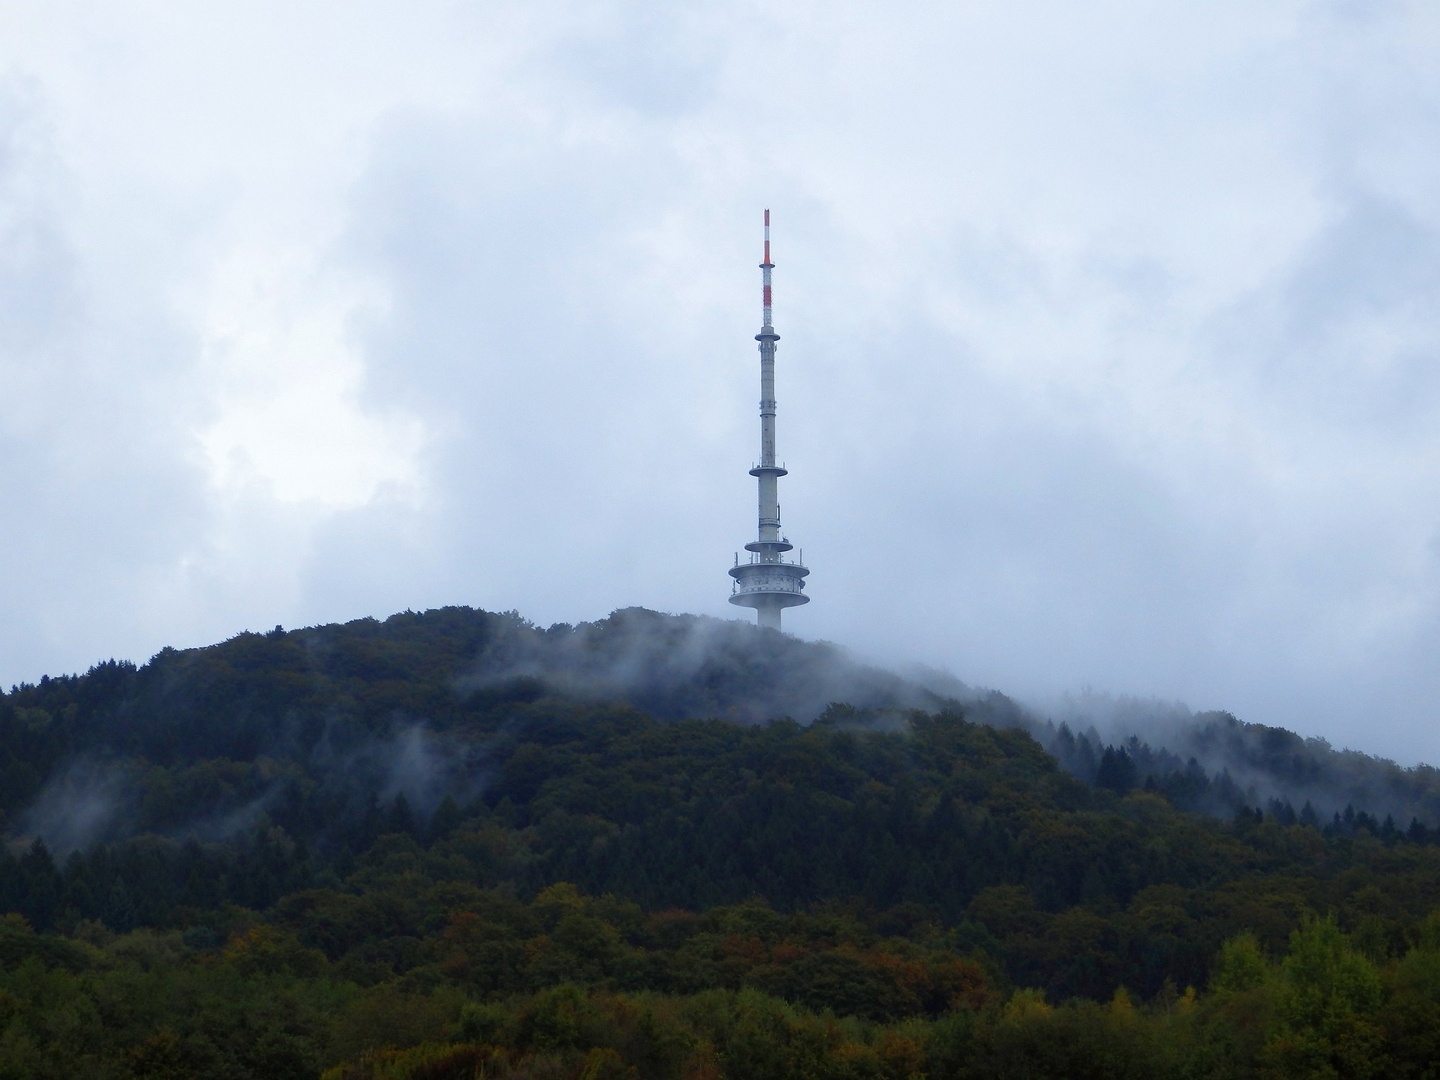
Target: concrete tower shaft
768 582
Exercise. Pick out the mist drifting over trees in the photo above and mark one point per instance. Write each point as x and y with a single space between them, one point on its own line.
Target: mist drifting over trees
377 709
452 843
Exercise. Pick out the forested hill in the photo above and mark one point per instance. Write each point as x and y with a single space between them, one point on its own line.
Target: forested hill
453 844
319 721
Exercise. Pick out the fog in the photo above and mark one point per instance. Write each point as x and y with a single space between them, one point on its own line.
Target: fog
99 798
1108 348
399 768
688 667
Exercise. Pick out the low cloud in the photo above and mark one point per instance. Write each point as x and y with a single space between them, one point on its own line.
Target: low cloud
687 666
86 802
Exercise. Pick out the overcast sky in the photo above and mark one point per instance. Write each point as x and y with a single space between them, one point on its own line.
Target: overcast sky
1110 331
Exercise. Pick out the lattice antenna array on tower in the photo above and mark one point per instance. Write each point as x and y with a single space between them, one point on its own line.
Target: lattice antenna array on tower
767 581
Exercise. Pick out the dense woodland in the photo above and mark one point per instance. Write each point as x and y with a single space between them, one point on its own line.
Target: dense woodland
452 844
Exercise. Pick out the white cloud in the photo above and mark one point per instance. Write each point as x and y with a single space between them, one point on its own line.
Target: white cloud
276 345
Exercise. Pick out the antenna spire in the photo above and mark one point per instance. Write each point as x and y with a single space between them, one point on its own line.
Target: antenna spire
765 268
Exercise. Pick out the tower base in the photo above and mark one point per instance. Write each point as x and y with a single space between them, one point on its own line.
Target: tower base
768 615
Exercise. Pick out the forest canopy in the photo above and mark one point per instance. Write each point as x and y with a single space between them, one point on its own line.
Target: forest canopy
454 844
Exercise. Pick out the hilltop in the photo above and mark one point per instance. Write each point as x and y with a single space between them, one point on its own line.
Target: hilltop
464 841
371 710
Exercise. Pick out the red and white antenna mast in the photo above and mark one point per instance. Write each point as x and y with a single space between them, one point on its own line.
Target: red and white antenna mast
765 268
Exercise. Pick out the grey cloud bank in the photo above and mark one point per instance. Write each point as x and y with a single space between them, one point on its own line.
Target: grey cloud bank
1108 356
